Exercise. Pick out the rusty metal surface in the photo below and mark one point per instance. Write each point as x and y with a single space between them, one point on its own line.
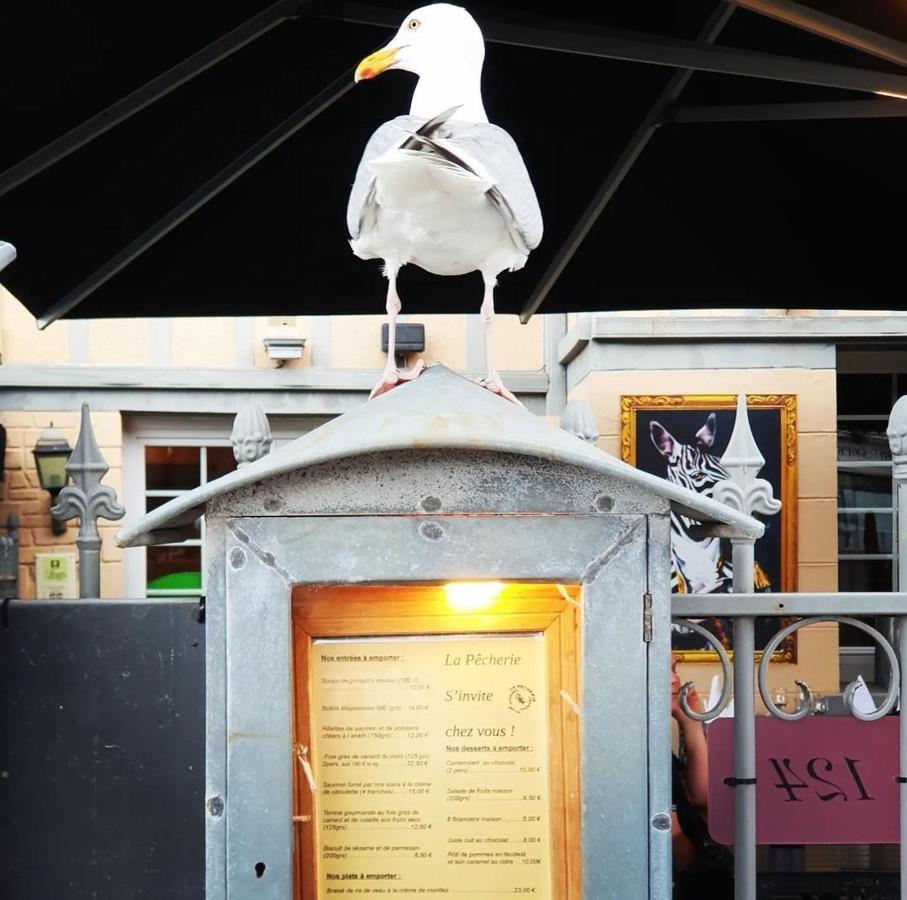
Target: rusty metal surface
439 410
438 482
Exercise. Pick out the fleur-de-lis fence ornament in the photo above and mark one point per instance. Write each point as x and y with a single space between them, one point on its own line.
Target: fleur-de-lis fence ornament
88 500
743 490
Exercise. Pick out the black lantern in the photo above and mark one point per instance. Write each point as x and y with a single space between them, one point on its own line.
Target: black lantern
52 452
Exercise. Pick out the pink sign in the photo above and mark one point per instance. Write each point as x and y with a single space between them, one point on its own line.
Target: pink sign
822 780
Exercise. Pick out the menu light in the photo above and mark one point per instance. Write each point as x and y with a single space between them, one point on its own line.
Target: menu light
472 596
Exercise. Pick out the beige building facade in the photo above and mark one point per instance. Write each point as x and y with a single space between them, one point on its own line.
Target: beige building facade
163 394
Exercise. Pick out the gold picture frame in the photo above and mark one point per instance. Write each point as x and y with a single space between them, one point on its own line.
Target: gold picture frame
776 436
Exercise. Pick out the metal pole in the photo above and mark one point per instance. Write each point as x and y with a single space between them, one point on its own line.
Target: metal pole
88 500
834 29
198 198
749 494
897 441
901 623
89 562
789 112
155 89
744 731
656 50
901 626
615 178
901 532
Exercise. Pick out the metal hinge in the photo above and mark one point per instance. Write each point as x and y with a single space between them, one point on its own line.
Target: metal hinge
647 617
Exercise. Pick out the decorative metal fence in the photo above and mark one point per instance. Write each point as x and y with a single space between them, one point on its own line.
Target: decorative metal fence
9 558
746 492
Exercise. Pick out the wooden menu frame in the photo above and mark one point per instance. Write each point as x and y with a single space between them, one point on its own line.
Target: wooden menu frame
398 610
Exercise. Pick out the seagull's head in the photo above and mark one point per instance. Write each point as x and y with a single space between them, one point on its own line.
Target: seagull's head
430 39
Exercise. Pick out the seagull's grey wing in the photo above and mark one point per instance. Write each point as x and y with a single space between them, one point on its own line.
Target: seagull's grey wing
496 151
388 135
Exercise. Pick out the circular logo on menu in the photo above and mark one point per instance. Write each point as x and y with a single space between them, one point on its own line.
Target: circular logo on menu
521 698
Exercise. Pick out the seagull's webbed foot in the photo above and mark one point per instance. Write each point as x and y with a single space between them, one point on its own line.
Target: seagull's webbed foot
392 376
492 382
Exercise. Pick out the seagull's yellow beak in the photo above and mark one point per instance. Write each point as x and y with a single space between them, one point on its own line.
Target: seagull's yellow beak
377 63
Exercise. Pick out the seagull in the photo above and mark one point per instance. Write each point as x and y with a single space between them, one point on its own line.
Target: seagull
441 188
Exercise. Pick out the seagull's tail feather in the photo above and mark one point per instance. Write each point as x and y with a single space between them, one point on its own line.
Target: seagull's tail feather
422 137
404 178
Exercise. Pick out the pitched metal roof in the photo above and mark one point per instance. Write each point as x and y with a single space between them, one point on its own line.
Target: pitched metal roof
439 410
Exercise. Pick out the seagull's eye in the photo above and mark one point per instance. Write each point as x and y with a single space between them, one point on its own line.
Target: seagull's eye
413 24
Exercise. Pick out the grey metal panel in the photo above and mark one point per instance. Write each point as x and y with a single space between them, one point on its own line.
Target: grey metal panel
102 750
659 653
615 786
395 548
259 720
438 482
216 703
265 556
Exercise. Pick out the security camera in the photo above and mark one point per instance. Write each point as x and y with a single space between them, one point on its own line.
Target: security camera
7 254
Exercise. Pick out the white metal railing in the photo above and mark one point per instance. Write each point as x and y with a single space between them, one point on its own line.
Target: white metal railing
748 493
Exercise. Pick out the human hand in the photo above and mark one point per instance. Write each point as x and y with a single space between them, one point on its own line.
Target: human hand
693 700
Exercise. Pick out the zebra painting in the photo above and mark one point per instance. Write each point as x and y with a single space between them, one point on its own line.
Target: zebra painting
681 438
699 565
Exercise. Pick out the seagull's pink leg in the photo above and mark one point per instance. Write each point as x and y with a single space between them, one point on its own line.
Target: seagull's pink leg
392 376
492 380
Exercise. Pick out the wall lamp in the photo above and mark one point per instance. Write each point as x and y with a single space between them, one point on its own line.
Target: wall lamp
281 349
52 453
410 338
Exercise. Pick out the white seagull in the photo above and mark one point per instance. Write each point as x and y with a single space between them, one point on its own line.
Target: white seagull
441 188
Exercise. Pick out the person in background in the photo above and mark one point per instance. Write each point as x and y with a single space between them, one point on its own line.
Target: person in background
702 869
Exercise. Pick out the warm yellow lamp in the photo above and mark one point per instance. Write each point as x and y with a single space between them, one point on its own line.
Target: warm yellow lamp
472 596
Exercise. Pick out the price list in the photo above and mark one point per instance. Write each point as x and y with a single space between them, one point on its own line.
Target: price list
431 758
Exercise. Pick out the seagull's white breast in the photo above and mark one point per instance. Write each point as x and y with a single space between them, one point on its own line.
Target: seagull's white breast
435 215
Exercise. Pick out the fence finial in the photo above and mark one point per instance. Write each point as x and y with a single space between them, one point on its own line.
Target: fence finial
88 500
251 435
742 490
578 419
897 439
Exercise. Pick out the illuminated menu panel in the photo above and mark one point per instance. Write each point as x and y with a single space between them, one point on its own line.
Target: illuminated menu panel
431 758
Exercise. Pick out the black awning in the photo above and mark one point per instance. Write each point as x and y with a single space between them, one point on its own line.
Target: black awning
776 211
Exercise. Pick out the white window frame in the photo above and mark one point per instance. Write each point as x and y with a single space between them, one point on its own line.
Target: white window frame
179 430
891 510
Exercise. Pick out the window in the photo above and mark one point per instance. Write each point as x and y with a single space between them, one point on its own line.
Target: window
171 470
168 455
867 495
